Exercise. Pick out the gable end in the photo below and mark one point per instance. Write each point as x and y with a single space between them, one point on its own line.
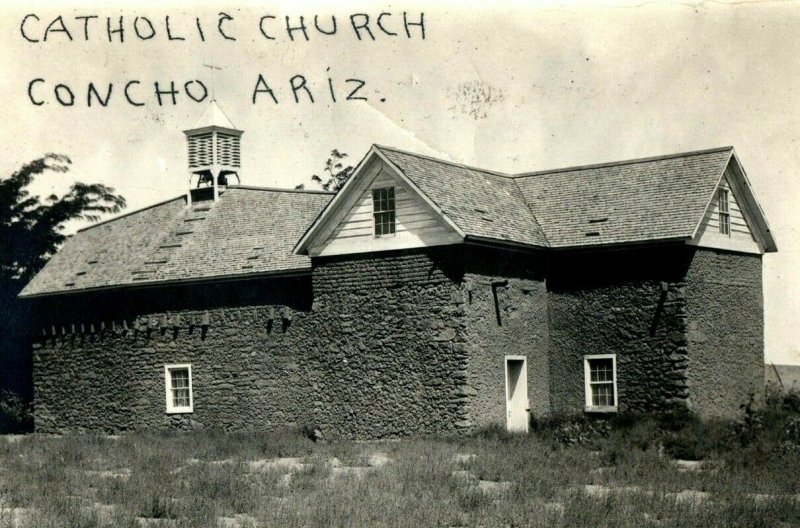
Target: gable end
733 220
349 225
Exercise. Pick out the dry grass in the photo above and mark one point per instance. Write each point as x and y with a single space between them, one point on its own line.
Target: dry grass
621 478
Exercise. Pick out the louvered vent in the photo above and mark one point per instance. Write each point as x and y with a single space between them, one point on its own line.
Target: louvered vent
201 151
228 149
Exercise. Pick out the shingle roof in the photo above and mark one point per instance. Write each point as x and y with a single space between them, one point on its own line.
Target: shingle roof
253 231
248 231
481 203
624 202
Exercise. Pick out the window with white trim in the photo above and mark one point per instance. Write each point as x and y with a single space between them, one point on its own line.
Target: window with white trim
178 384
383 211
600 377
724 212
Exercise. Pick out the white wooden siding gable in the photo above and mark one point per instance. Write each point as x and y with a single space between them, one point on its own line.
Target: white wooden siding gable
744 234
352 230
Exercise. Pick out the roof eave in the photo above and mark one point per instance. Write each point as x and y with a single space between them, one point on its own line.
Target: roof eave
494 242
623 245
297 272
769 243
211 128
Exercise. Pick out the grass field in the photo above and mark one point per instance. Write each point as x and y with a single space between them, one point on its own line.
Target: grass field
567 473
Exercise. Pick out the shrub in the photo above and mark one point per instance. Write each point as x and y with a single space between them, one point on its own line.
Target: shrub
571 430
773 396
677 433
791 401
793 430
640 431
684 445
16 414
311 432
747 429
791 444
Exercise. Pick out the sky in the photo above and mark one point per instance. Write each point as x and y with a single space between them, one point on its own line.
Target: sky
511 87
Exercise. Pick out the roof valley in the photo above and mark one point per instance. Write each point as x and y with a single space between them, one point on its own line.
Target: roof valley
533 214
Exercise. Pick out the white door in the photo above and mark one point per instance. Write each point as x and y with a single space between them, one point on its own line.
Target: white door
516 394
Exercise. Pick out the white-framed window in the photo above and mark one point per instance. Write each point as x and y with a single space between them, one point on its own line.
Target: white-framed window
600 377
724 212
178 384
383 211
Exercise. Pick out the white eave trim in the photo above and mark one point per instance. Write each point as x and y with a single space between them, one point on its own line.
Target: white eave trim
301 248
712 197
754 208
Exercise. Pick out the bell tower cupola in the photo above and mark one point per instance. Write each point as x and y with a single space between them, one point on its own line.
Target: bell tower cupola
213 154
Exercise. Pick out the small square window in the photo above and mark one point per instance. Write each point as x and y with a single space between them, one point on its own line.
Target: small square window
600 377
383 211
178 384
724 212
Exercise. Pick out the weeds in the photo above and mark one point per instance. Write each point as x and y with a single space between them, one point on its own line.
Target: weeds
539 479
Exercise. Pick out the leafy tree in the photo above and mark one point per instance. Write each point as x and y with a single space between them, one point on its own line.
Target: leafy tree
31 229
337 173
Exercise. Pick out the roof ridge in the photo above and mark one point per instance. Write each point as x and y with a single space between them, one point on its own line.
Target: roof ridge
279 189
622 162
129 213
453 163
181 196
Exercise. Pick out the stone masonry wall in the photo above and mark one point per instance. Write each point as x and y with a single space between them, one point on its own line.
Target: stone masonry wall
391 350
406 342
616 303
506 314
382 353
248 370
725 331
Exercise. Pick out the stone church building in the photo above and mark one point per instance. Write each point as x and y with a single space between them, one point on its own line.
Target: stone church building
424 297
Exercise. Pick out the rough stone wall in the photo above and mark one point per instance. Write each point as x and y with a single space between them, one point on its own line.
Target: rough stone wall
391 349
615 302
506 314
248 370
407 342
382 352
725 331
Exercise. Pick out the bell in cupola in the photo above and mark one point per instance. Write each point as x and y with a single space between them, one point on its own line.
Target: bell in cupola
214 154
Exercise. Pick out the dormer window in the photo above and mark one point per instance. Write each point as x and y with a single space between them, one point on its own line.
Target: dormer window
383 211
724 212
